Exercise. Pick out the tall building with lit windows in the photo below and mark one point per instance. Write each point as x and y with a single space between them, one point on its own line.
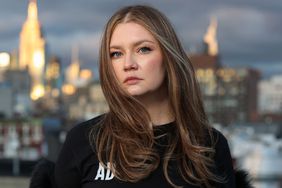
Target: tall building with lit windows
229 95
32 50
53 76
271 95
206 64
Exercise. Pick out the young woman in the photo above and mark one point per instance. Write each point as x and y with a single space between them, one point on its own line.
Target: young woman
156 132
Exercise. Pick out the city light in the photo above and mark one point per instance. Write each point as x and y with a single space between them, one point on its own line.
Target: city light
86 74
37 92
38 60
55 92
4 60
68 89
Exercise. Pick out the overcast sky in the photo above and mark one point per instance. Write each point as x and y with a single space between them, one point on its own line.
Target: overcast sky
249 31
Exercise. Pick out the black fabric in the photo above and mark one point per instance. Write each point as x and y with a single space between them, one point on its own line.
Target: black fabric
243 179
77 165
43 175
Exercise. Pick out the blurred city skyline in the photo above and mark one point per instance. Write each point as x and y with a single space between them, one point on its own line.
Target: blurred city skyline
249 33
45 89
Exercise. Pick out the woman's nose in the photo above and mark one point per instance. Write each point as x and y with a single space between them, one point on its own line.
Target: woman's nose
130 62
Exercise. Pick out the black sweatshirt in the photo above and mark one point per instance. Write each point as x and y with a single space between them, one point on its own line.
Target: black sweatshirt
78 166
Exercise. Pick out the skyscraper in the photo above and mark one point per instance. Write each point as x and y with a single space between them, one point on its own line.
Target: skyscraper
53 76
32 50
229 94
210 38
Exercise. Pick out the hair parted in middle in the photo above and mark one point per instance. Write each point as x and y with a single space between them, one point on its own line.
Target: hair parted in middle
125 137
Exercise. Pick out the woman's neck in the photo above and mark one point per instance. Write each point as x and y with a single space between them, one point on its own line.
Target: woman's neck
158 108
160 113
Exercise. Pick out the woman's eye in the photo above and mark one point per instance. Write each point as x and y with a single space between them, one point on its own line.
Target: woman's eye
145 50
115 54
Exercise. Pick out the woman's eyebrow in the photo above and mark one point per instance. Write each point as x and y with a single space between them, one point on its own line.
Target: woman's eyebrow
143 41
137 43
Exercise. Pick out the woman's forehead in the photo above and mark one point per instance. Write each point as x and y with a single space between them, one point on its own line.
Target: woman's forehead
131 31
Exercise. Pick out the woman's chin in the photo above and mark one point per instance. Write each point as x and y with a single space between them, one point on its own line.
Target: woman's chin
135 92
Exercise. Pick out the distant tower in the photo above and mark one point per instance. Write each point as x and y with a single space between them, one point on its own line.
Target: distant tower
32 50
53 75
210 38
73 70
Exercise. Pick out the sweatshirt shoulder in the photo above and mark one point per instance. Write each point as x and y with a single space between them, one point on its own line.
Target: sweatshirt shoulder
81 131
214 138
219 138
86 124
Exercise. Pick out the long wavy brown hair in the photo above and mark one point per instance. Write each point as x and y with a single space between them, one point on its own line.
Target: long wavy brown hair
124 136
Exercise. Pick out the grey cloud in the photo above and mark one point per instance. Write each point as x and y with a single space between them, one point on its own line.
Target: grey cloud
248 31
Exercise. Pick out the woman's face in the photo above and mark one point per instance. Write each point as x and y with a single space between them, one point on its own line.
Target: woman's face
137 60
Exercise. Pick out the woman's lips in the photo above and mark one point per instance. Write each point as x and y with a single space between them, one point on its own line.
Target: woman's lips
132 80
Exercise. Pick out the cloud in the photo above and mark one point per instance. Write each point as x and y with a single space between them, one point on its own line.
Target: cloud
87 44
247 34
248 31
242 22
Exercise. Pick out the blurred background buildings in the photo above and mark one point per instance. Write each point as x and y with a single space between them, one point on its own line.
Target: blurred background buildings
41 98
